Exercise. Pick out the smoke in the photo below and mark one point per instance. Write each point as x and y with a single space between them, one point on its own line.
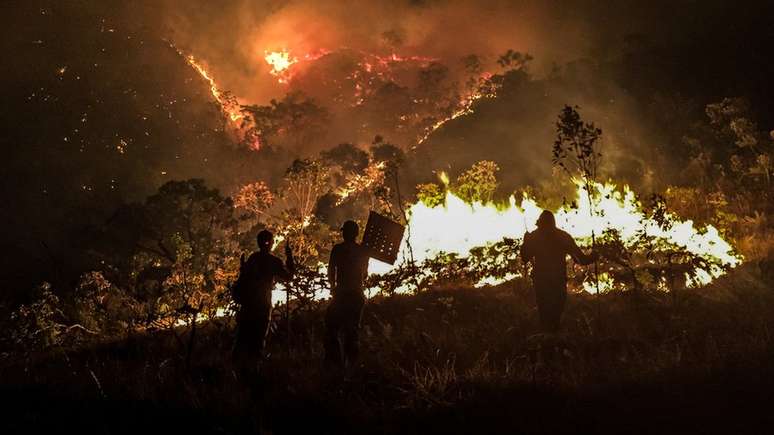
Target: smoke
570 41
232 36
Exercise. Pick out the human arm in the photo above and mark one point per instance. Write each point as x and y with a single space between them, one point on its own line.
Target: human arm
577 254
286 271
290 263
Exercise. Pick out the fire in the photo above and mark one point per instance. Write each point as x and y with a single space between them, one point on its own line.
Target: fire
457 227
240 126
280 61
395 58
465 107
228 105
374 68
360 182
228 108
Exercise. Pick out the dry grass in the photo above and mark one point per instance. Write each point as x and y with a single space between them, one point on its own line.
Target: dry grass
436 357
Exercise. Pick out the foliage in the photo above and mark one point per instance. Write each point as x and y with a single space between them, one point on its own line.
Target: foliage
497 262
751 161
436 90
256 198
514 60
347 156
296 121
574 152
387 152
728 176
312 245
478 183
574 148
431 194
37 326
648 263
513 74
193 227
305 181
386 191
182 246
99 306
307 287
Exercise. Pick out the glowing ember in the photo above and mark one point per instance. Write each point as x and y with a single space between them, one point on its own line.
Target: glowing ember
375 69
457 227
465 107
393 58
360 182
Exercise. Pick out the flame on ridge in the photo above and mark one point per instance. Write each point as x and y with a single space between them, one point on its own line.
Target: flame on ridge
465 107
233 113
282 61
228 105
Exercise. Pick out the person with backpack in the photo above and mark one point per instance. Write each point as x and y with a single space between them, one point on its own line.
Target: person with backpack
252 293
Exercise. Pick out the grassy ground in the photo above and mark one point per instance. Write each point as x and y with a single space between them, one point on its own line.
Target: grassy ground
446 361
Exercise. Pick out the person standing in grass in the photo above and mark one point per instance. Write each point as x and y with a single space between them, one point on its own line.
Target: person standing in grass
252 292
347 270
547 249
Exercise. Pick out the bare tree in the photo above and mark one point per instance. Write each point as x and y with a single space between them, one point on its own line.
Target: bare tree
575 152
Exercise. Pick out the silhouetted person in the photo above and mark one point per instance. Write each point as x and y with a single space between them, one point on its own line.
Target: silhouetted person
347 269
256 281
547 248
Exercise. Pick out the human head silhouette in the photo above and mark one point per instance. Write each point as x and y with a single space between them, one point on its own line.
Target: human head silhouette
546 220
265 240
349 231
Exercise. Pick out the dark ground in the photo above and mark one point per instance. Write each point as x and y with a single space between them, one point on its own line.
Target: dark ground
446 361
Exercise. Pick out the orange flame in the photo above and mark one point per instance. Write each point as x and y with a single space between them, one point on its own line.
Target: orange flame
356 183
465 106
280 61
228 106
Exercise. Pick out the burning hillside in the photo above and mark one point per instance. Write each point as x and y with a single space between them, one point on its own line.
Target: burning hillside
357 83
636 242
